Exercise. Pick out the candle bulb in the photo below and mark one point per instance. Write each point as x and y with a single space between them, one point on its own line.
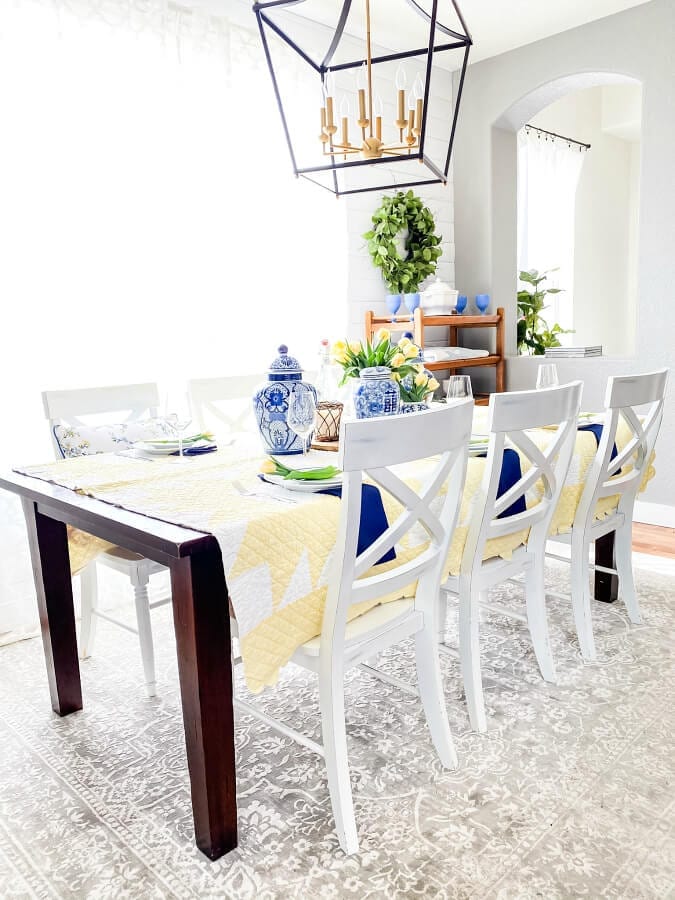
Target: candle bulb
378 117
401 109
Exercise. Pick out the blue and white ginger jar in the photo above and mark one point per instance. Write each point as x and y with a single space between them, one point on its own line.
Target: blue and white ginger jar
376 393
270 404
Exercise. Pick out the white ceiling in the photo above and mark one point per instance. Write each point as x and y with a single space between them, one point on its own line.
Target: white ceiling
500 25
495 25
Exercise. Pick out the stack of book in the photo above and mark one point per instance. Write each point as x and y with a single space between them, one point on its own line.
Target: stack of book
564 352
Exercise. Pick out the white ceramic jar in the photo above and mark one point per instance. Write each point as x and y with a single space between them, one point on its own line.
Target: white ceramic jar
439 299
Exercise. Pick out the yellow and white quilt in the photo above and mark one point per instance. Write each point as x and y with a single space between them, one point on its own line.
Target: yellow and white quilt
276 556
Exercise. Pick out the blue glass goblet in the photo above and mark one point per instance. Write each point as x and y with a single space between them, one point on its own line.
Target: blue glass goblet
482 303
461 304
393 302
412 301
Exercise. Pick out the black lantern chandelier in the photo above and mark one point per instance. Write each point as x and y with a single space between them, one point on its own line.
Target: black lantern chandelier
361 128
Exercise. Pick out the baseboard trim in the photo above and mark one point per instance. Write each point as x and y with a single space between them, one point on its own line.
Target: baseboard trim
654 514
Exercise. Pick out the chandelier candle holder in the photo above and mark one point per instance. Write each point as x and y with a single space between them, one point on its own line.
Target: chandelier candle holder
364 54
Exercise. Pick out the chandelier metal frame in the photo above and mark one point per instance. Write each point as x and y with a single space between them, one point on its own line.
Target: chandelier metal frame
340 153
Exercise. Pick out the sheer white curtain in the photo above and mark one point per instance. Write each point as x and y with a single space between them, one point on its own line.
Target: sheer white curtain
548 174
150 225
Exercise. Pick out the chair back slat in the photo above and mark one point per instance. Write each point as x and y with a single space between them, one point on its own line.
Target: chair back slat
518 410
224 405
133 399
369 448
623 475
511 415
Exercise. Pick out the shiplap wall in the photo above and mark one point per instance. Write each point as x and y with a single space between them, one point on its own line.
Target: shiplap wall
366 289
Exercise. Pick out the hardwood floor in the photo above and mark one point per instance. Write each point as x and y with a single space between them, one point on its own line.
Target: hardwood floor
654 539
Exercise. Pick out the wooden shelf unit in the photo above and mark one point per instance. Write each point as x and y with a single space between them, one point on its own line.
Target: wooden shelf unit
453 324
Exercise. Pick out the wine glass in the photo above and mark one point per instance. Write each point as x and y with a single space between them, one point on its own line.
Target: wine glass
393 302
412 301
178 415
482 303
462 300
547 376
459 387
300 417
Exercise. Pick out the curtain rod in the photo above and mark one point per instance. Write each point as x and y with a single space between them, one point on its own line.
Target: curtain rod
561 136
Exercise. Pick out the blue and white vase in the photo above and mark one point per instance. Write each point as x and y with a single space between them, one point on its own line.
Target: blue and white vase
413 406
376 394
270 404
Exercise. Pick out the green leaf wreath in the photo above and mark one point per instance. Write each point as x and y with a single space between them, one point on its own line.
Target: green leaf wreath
422 246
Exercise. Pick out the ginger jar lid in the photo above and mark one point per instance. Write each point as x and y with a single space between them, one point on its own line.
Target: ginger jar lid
284 367
373 373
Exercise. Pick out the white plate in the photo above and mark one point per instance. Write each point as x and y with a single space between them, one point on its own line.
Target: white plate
308 487
162 444
156 449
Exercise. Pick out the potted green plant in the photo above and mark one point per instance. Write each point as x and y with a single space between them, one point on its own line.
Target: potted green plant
534 334
403 273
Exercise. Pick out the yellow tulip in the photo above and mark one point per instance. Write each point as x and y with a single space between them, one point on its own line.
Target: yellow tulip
396 376
411 352
268 467
398 359
433 384
382 335
404 342
421 379
419 367
355 346
339 351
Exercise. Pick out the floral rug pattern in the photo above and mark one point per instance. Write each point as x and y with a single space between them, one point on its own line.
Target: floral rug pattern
569 794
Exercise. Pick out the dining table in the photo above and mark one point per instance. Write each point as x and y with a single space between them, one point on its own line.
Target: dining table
232 544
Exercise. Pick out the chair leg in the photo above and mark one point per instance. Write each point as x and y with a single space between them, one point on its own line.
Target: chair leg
331 695
623 548
537 621
581 597
88 595
469 656
140 583
430 681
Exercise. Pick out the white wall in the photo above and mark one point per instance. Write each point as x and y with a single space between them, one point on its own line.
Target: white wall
500 96
604 297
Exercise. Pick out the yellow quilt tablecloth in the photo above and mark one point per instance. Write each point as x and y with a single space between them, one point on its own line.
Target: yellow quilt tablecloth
276 556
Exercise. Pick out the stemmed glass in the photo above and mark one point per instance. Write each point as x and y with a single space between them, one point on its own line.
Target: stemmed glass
547 376
459 387
412 301
393 302
178 415
482 303
300 417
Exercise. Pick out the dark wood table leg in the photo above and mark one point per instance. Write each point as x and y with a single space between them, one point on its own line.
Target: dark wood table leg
202 625
48 541
606 585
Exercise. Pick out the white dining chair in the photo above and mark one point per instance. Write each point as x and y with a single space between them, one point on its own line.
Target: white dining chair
129 405
368 450
638 401
224 406
543 472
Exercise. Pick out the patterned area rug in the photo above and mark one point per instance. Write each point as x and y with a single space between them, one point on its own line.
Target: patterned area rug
569 794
